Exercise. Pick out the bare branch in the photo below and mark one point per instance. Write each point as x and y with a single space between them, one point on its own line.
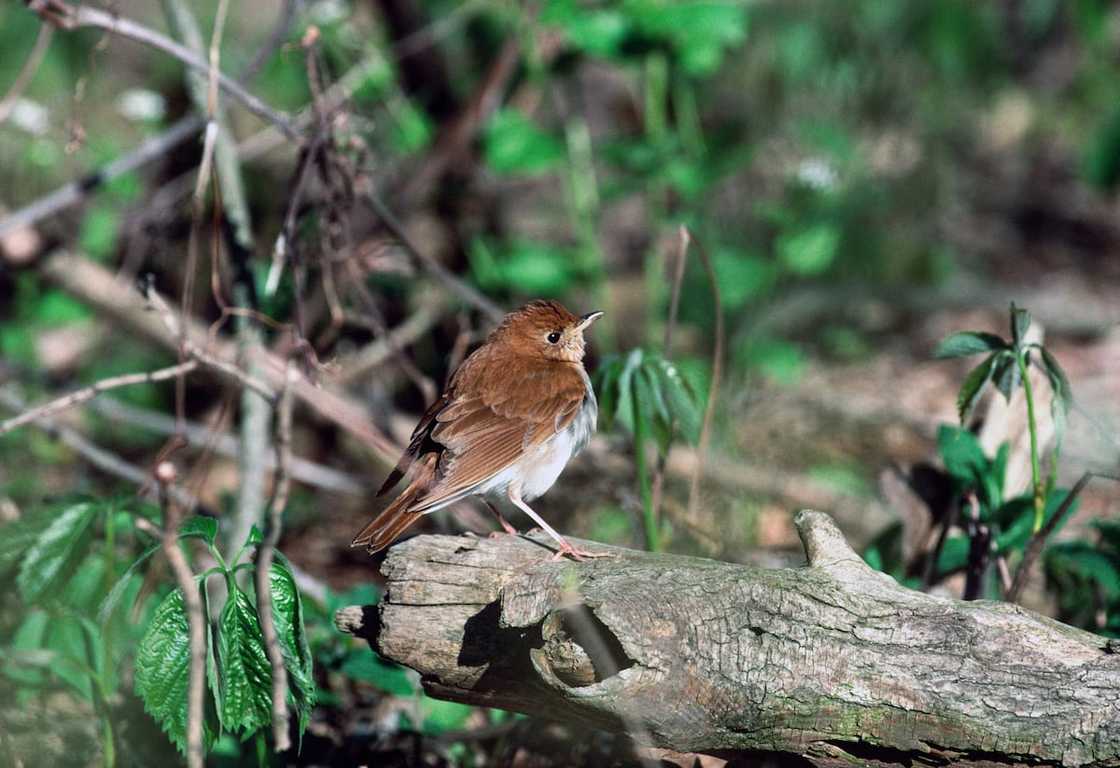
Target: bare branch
70 17
86 394
304 471
102 459
265 552
713 387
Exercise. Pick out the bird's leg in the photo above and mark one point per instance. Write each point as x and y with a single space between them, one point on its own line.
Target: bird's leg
566 548
501 520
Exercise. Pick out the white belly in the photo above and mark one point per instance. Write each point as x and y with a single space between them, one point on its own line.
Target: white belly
539 467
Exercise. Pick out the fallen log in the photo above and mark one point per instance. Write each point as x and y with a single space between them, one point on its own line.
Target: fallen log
834 663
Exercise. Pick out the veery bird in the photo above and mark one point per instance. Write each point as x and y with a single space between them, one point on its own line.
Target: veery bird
512 416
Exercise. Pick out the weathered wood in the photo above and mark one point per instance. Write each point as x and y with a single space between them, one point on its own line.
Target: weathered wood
832 662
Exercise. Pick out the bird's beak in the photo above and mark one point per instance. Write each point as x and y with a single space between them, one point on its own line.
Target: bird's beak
588 319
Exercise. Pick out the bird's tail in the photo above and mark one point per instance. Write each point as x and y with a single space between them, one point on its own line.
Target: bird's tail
398 516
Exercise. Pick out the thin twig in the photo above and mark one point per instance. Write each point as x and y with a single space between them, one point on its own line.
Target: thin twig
76 191
27 72
102 459
165 476
713 387
441 273
192 350
86 394
303 470
658 482
273 523
70 17
1038 540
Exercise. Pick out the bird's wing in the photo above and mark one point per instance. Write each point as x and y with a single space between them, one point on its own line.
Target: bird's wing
421 440
499 410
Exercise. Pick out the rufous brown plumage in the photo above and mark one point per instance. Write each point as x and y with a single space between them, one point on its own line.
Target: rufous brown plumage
512 416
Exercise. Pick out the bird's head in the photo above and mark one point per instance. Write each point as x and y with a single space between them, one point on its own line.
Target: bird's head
545 329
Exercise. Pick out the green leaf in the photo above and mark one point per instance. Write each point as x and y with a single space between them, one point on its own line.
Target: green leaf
684 405
440 716
606 386
653 408
17 537
954 555
98 233
743 277
1007 376
1020 322
246 676
811 251
1017 517
964 458
162 669
109 604
780 361
255 536
197 526
1063 393
1079 560
287 614
515 145
965 343
973 387
55 553
368 667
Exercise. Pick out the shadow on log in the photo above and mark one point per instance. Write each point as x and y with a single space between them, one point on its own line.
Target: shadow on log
834 663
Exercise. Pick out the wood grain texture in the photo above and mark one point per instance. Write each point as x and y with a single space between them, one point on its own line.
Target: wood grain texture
833 662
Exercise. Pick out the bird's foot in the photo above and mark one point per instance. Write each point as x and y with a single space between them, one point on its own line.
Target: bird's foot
579 555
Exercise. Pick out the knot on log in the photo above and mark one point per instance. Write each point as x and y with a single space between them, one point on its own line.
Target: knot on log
834 662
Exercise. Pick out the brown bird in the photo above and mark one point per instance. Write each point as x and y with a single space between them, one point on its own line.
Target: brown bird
512 416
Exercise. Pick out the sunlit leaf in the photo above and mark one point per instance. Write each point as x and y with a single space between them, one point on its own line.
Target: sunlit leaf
964 458
287 613
811 251
514 144
243 667
162 669
201 527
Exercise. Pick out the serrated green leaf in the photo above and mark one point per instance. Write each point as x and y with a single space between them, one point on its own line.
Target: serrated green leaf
55 553
162 669
197 526
965 343
287 613
109 604
1020 322
973 387
243 667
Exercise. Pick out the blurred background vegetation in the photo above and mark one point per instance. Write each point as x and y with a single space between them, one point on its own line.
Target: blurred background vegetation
865 177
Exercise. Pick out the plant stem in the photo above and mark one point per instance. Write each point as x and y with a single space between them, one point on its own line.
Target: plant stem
649 519
1036 472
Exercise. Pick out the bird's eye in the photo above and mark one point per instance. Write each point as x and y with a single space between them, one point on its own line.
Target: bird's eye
554 337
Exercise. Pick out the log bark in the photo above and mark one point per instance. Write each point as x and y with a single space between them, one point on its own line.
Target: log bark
834 663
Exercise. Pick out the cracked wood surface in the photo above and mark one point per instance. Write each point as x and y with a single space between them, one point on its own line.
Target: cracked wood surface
832 662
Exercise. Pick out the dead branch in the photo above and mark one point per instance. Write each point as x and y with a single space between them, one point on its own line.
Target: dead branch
833 663
70 17
86 394
172 517
263 574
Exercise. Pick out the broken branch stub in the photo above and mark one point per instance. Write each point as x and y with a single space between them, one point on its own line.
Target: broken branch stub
833 662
